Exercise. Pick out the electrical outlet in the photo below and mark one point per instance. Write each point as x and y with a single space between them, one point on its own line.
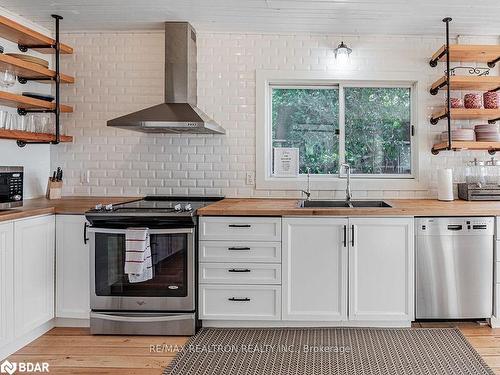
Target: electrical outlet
84 177
250 178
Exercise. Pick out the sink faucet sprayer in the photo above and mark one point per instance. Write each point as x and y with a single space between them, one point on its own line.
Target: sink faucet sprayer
308 191
348 194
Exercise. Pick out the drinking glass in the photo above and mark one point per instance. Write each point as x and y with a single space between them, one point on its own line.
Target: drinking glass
7 78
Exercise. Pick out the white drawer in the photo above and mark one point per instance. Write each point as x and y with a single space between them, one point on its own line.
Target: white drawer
240 228
240 302
230 251
240 273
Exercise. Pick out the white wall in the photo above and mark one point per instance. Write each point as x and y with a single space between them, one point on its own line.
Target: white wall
118 73
34 158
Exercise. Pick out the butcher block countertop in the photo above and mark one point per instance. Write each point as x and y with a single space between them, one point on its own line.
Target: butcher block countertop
65 205
400 207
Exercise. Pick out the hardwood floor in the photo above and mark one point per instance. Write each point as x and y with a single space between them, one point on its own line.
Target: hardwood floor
75 351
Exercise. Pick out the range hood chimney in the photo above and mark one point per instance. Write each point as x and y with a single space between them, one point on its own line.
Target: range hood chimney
179 113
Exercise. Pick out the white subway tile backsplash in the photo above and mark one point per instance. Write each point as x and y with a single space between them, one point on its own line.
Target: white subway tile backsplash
118 73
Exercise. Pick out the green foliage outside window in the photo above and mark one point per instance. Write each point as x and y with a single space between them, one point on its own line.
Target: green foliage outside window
377 128
308 119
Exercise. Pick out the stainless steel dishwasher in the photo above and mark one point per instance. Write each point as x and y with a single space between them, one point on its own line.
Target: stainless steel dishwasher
454 267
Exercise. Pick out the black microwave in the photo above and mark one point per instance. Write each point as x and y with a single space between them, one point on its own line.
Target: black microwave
11 187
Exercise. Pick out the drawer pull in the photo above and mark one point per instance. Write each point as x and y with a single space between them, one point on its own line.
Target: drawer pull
239 270
240 226
238 248
235 299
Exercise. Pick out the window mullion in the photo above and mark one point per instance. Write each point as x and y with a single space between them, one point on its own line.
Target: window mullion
341 125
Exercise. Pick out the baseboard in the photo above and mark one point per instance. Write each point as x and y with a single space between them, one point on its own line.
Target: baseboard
72 322
296 324
494 322
25 339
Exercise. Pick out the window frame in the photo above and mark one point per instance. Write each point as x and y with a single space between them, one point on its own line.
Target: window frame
266 80
270 115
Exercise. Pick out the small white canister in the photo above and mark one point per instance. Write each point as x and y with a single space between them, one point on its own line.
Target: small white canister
445 184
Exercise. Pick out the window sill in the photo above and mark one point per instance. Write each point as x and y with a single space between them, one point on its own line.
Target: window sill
329 183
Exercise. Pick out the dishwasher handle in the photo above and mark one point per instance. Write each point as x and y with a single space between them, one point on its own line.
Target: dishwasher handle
455 227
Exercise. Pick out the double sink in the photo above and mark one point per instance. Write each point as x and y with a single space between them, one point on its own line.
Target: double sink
343 204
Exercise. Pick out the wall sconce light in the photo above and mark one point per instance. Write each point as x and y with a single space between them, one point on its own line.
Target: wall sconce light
342 53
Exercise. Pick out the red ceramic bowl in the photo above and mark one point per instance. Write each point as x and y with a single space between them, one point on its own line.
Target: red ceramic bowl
472 101
490 100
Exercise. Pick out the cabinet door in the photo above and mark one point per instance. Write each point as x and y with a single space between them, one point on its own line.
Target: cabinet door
6 283
72 268
314 269
381 269
34 248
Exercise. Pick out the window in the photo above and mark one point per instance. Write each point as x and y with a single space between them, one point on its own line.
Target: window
378 130
308 119
369 127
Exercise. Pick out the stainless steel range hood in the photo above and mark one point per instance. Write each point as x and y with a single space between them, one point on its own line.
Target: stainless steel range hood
179 113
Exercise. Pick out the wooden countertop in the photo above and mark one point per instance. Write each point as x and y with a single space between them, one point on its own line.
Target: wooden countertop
265 207
65 205
400 207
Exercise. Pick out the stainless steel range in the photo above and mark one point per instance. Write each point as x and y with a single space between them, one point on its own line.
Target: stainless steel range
163 305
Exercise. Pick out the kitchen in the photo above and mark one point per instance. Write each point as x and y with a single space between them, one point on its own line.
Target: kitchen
264 213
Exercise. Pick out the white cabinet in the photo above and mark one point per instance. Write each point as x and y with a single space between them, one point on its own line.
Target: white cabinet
240 273
240 228
314 269
381 269
72 268
240 251
239 269
33 272
6 283
240 302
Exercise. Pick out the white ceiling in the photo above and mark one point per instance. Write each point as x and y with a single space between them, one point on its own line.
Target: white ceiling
410 17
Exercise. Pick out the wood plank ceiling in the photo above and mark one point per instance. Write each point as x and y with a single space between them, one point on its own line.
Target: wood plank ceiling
404 17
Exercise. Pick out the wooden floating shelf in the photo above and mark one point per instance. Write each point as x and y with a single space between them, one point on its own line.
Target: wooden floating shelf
469 53
20 34
467 145
29 136
477 83
467 114
18 101
29 70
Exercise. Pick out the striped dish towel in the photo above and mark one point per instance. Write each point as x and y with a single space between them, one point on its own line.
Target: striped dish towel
138 264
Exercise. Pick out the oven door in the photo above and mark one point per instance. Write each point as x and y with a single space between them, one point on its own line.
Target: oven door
172 285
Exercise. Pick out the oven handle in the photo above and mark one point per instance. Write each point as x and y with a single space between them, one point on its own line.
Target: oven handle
151 231
140 319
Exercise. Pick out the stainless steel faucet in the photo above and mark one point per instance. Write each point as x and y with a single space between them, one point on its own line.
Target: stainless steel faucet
348 194
308 191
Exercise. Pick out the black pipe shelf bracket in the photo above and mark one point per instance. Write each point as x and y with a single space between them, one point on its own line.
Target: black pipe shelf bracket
447 21
492 63
23 80
435 90
434 62
57 80
435 120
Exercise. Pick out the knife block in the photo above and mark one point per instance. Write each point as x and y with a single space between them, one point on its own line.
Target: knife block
54 189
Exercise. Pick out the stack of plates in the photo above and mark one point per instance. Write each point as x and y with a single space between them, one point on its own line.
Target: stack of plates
31 59
459 135
487 133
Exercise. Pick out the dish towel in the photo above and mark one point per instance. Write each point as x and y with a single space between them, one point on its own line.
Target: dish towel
138 264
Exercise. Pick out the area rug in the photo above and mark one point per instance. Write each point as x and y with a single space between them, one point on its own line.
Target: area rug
328 351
